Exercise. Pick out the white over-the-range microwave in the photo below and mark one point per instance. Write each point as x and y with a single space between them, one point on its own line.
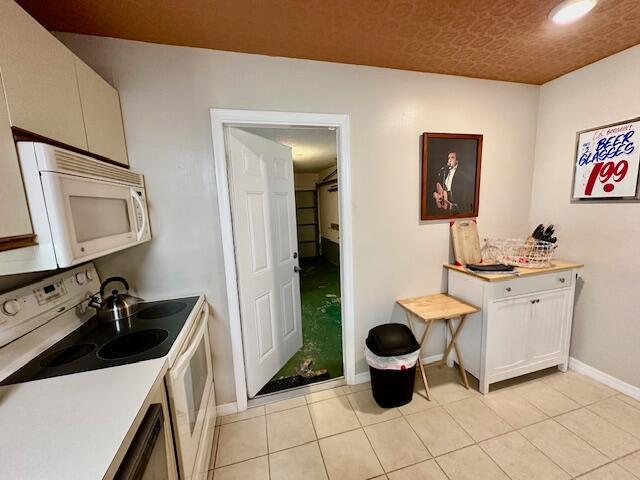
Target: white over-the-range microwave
81 209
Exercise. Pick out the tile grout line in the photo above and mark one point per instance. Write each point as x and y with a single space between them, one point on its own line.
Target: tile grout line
215 458
620 394
438 404
240 461
537 449
324 464
634 435
417 435
266 434
628 455
520 397
475 442
577 436
587 440
611 462
532 445
364 432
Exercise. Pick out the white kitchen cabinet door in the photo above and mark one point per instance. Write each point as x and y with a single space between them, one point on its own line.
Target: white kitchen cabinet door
39 79
547 326
14 212
507 334
102 115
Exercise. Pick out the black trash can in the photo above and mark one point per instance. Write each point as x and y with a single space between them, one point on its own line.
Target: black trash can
392 386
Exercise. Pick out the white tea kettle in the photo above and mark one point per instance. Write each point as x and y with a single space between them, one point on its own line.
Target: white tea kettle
118 305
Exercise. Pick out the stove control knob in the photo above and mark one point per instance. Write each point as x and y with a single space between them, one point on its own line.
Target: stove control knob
81 278
89 274
11 307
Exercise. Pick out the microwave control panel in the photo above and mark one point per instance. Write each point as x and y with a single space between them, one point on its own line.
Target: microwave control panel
138 210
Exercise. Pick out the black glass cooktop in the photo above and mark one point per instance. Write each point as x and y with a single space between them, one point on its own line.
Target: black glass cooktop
148 334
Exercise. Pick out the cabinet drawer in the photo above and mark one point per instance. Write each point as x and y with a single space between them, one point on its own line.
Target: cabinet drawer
535 283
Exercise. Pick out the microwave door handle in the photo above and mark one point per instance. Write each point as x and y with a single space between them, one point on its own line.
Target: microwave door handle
188 353
143 212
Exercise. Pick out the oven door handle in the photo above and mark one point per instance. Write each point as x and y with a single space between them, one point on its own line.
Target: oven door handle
193 340
143 214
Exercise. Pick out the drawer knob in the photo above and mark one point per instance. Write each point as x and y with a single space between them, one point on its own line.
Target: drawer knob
508 289
562 279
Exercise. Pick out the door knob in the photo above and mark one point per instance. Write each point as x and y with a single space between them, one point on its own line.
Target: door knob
297 269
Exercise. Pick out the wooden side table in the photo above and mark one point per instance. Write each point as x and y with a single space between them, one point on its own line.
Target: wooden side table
429 309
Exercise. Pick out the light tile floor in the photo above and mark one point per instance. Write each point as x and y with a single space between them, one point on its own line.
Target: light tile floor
545 426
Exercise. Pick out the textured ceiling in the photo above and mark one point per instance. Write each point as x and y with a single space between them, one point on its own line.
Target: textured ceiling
495 39
314 149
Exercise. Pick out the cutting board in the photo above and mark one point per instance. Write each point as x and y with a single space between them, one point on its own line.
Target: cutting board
466 242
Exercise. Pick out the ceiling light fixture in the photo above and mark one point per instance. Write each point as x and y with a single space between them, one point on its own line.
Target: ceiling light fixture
571 10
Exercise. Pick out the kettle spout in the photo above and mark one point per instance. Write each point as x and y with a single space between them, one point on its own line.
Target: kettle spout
94 302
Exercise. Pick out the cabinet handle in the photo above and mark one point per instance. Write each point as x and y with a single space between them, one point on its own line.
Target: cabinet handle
562 280
508 289
535 300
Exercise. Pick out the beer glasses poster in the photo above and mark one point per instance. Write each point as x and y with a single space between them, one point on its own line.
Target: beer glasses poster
607 161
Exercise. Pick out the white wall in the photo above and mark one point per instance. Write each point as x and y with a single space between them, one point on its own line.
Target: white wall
305 181
604 236
166 93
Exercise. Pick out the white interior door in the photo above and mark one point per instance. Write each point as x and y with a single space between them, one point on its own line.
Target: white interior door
264 230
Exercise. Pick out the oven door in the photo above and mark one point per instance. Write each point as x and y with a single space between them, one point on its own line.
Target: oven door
90 218
190 385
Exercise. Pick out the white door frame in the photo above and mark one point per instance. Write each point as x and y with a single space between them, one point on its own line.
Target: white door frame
226 117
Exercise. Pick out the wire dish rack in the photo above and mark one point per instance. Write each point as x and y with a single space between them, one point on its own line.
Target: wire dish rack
529 252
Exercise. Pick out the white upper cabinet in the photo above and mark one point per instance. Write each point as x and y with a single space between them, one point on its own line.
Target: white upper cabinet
39 79
52 93
102 115
14 213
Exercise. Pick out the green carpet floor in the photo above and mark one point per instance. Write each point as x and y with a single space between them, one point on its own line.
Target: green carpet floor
321 319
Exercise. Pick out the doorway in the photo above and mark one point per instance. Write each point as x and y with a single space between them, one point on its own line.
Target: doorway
317 205
323 256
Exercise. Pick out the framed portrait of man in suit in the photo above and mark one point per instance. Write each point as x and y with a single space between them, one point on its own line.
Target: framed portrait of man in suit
450 177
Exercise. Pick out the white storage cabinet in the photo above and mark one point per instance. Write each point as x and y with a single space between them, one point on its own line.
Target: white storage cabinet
524 324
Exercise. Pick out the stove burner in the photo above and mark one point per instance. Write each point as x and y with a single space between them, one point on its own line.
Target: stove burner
67 355
133 344
161 310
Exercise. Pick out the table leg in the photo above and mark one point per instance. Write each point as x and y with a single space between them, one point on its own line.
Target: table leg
422 339
454 344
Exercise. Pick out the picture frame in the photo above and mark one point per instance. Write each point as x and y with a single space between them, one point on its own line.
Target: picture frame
606 163
450 175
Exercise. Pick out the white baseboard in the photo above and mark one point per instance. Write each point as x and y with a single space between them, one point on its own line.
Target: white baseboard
363 377
604 378
226 409
366 376
432 358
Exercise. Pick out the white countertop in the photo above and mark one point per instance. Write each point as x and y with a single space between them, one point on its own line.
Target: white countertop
71 427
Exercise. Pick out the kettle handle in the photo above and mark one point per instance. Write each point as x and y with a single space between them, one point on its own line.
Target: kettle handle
113 279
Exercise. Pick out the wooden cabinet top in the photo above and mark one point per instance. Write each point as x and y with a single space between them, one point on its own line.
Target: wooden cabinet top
556 266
